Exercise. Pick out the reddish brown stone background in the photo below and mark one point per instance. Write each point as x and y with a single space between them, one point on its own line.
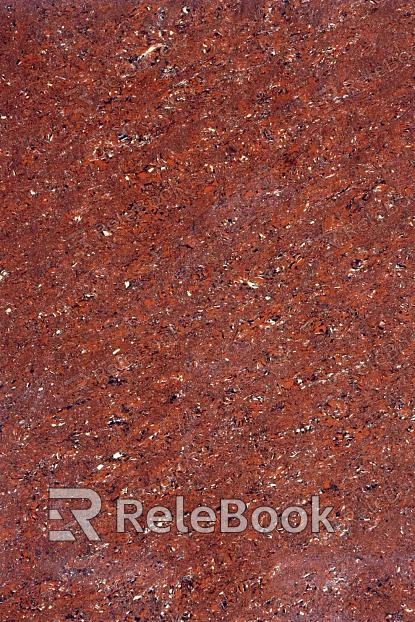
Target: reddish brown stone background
207 264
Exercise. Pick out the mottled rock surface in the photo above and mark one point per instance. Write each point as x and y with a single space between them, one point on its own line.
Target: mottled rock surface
207 289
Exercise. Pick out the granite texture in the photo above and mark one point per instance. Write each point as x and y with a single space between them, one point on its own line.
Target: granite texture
207 288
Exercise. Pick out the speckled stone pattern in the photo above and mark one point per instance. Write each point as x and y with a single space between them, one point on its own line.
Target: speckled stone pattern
207 289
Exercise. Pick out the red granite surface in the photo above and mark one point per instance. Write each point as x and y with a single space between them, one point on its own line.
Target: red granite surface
207 266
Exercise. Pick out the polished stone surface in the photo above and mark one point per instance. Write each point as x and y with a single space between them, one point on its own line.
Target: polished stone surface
207 289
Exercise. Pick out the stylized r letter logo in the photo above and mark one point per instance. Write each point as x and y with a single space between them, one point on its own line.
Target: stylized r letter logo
82 517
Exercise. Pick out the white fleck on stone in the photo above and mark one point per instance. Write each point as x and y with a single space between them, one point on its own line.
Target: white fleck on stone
127 284
117 350
106 233
117 455
99 467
